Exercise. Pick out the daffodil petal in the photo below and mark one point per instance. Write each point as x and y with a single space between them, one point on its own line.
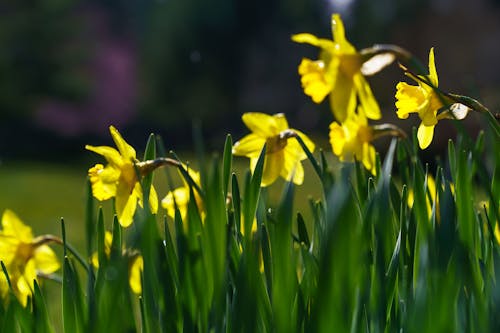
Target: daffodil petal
408 99
250 146
343 97
127 151
179 197
366 98
153 200
313 40
292 167
281 122
368 157
103 181
8 248
338 33
424 135
272 167
261 124
135 273
337 138
314 79
45 259
110 154
432 68
13 226
125 204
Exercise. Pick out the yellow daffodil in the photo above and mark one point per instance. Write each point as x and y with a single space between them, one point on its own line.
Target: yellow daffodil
352 140
283 153
337 72
180 196
119 178
136 264
426 101
24 256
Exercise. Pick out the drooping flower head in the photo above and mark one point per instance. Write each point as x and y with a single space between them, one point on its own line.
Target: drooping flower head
352 140
119 178
337 73
283 153
425 100
24 256
180 196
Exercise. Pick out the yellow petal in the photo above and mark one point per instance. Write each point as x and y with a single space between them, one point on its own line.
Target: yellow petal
153 200
281 122
125 204
110 154
292 167
181 197
366 98
313 40
14 227
343 97
424 135
261 124
25 283
432 68
338 33
127 151
273 164
314 80
45 260
8 248
408 99
368 157
337 138
294 146
250 146
135 272
103 181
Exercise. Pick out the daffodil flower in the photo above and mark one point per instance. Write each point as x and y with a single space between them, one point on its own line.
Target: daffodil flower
283 156
119 178
352 140
180 196
425 100
136 264
24 256
337 73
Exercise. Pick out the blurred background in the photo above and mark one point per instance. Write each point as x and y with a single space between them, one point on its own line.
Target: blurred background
70 68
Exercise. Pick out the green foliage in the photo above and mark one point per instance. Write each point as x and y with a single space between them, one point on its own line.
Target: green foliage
366 260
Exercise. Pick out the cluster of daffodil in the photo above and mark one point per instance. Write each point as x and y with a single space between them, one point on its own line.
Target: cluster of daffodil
340 74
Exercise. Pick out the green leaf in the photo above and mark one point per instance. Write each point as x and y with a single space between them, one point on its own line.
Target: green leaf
227 161
72 300
147 180
40 314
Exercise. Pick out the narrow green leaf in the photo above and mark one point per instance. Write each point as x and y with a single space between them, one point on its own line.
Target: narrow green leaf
301 227
40 314
227 161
